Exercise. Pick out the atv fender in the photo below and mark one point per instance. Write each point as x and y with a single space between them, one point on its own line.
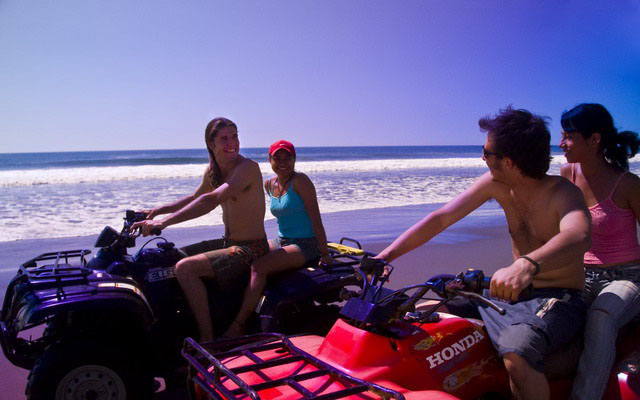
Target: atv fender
24 352
34 312
36 307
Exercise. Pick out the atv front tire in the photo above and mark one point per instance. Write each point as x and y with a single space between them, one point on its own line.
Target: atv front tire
88 371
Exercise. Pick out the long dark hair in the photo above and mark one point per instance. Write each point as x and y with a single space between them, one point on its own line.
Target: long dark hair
589 118
210 132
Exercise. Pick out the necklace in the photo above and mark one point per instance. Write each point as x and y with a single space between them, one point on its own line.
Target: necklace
281 187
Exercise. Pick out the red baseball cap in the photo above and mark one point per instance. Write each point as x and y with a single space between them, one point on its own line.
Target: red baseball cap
282 144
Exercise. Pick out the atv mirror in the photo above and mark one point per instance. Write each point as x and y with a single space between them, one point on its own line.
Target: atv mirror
106 237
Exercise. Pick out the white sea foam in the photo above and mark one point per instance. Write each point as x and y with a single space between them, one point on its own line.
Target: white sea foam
54 176
81 210
76 202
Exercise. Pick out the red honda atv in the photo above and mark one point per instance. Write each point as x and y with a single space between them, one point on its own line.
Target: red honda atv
382 348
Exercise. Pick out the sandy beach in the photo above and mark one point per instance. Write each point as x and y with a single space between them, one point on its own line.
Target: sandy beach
478 241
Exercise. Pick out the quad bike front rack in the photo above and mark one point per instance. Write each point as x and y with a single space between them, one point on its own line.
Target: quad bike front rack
207 370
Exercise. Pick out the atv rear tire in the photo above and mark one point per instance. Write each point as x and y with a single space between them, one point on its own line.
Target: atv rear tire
88 371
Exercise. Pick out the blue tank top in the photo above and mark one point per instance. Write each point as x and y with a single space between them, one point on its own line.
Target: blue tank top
293 220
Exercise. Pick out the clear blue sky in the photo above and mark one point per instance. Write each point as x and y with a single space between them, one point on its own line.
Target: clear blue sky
122 74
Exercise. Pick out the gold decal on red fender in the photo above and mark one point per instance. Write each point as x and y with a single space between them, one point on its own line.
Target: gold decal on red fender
426 344
463 375
462 345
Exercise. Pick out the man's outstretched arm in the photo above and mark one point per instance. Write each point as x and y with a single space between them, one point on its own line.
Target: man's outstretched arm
203 204
437 221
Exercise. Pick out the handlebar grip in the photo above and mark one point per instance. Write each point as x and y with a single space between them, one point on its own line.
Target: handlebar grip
526 292
486 283
474 280
372 266
135 216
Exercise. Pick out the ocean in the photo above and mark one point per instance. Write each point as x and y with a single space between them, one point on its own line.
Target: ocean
45 195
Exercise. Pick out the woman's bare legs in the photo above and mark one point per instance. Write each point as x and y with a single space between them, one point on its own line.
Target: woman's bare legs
278 260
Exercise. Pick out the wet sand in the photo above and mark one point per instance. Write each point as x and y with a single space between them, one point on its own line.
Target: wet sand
479 241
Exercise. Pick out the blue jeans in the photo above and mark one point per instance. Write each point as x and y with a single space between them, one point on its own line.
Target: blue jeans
614 295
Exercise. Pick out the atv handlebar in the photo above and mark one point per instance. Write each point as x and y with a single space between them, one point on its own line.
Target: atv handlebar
379 306
110 239
372 266
471 284
132 217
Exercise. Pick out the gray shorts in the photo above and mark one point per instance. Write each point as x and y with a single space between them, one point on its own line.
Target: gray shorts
533 327
307 246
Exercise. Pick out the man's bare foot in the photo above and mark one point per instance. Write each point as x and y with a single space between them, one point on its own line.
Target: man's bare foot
235 329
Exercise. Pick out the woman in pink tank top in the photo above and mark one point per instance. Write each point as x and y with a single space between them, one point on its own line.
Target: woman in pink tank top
598 157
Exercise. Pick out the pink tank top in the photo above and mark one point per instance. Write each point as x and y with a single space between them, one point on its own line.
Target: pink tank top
614 236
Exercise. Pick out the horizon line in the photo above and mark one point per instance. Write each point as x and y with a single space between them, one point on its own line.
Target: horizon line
241 148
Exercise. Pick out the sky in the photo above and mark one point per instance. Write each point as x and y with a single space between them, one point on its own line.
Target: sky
149 74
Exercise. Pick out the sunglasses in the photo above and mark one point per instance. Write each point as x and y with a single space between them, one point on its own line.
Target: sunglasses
486 153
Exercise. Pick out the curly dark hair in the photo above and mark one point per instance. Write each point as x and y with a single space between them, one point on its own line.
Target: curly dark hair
521 136
589 118
210 132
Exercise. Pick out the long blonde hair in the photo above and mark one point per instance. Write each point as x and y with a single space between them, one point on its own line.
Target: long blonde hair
210 132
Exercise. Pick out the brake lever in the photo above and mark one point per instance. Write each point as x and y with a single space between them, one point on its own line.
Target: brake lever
481 299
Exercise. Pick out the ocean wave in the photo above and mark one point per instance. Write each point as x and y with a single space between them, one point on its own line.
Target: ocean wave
53 176
78 202
79 210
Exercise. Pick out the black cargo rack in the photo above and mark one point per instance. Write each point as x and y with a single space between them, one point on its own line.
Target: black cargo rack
58 271
201 360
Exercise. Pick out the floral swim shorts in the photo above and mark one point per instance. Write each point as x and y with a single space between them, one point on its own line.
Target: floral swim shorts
231 259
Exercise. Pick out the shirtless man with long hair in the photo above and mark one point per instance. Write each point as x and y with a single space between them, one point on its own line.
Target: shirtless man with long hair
234 183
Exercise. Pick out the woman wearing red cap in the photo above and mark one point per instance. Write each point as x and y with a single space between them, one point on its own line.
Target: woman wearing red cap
301 236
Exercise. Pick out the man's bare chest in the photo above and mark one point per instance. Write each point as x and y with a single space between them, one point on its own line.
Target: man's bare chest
530 223
242 201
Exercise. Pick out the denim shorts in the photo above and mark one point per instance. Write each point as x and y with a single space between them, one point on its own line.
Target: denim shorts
533 327
307 246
